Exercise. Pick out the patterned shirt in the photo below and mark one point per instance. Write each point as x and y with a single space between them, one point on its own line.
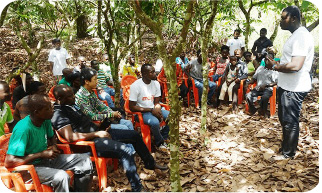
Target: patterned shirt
128 69
102 79
91 106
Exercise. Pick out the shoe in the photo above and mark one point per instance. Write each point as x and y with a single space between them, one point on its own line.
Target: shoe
157 166
163 147
144 190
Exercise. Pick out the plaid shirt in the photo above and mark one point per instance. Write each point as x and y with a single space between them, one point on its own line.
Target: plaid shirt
91 106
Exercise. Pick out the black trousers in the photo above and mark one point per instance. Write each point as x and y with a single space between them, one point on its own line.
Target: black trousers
289 109
251 97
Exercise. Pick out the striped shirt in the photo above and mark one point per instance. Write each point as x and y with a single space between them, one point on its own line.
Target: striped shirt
91 106
102 79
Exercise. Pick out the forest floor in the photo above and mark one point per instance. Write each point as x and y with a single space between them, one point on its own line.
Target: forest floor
241 156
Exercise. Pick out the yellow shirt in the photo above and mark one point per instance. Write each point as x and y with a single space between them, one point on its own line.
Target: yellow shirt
128 69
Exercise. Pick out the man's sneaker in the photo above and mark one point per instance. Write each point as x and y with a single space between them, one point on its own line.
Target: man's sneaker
163 147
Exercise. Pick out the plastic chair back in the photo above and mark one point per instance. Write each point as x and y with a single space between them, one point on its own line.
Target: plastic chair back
127 80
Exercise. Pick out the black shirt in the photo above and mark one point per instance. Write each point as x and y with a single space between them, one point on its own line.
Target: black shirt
260 44
71 115
18 93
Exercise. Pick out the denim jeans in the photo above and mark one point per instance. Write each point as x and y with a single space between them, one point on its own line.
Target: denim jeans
289 109
109 148
135 139
124 125
215 77
212 89
251 97
154 123
106 95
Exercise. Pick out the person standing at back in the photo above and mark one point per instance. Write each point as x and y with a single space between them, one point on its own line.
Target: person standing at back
294 81
236 43
58 59
261 43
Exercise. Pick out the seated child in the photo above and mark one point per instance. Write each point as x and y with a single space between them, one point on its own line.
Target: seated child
228 80
266 79
221 63
270 50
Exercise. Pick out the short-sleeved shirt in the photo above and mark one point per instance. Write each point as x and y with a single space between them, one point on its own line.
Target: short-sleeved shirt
5 117
260 44
58 57
221 66
265 76
91 106
182 63
195 70
144 94
65 115
300 43
102 79
250 68
128 69
28 139
64 81
235 44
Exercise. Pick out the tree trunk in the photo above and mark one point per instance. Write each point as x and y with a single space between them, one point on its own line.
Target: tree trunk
277 24
81 26
3 14
170 71
206 34
313 25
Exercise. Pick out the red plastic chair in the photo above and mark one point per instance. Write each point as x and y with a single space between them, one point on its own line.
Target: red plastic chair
127 80
13 181
241 92
194 89
104 101
272 99
51 94
35 185
145 129
100 162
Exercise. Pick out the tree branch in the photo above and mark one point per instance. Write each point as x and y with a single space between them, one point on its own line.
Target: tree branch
313 25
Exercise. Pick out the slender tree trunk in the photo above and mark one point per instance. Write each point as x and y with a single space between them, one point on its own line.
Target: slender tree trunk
206 34
313 25
170 71
3 15
81 26
277 24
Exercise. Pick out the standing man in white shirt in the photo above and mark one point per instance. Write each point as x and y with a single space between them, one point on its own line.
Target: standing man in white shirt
236 43
294 81
58 59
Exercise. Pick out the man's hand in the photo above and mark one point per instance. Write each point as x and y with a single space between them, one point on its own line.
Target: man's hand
237 81
50 153
157 112
102 134
260 88
269 62
117 114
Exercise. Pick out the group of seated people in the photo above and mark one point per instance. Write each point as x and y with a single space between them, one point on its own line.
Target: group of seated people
77 113
74 115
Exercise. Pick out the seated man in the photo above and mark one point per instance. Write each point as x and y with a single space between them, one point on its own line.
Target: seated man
145 97
19 92
33 142
91 106
103 90
74 125
22 110
5 111
266 79
194 70
66 79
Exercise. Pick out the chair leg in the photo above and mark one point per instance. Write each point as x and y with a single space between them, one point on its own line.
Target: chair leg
146 136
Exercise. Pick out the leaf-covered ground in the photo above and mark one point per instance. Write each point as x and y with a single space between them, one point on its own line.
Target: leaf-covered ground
241 156
241 153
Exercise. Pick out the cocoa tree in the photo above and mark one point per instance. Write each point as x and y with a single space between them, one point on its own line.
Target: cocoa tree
157 27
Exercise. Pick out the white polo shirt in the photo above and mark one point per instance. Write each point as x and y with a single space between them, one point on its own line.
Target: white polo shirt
144 94
300 43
